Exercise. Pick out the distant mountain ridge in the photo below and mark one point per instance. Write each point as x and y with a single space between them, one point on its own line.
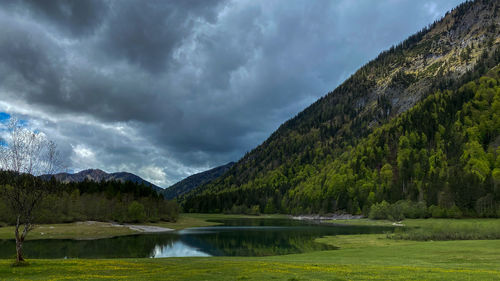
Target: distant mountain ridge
98 175
186 185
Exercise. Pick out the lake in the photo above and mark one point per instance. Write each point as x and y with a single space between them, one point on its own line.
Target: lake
235 237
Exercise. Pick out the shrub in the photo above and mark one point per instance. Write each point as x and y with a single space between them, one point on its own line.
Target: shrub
454 212
414 210
136 212
437 212
398 211
255 210
270 209
395 212
379 211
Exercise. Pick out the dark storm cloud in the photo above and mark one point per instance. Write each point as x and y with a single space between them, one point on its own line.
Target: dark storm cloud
147 32
74 17
167 88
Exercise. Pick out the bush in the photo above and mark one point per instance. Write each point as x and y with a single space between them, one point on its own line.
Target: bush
395 212
270 209
398 211
242 209
437 212
454 212
379 211
136 212
414 210
255 210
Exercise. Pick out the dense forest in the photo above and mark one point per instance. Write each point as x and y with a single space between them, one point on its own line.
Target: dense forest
444 152
418 123
89 200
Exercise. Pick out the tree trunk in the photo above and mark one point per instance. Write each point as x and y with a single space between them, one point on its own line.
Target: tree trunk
19 241
19 251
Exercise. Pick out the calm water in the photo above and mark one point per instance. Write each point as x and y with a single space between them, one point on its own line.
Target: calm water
237 237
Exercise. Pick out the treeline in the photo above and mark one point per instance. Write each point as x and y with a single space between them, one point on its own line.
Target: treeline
89 200
442 152
406 209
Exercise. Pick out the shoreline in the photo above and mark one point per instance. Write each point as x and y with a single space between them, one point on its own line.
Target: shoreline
145 228
328 217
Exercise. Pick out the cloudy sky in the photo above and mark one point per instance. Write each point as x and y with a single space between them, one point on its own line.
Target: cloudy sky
165 89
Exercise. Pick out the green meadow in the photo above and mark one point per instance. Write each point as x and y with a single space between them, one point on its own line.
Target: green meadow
358 257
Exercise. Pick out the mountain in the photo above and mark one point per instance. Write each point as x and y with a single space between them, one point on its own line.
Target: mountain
186 185
360 144
99 175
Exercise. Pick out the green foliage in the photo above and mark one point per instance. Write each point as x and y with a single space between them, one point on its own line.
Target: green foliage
437 212
475 161
454 212
437 152
242 209
88 200
398 211
379 211
136 212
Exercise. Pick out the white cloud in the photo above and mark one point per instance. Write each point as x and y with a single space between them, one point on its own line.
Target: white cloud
154 174
84 156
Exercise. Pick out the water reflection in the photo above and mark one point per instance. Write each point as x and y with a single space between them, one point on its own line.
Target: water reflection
177 249
241 237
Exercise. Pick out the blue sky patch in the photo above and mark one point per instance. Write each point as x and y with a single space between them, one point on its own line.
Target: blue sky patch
4 117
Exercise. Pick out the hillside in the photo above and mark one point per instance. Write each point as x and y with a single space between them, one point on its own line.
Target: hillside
186 185
99 175
307 164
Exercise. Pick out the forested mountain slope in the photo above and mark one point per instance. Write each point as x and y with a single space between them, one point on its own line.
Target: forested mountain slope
307 164
186 185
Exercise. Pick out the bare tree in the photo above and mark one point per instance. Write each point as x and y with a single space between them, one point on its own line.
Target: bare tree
24 155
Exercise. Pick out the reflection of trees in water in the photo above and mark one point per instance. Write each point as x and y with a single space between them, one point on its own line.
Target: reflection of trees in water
135 246
258 242
292 237
255 242
289 237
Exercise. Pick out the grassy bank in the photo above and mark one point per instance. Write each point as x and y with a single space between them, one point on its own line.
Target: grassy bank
78 230
95 230
449 229
360 257
361 222
436 229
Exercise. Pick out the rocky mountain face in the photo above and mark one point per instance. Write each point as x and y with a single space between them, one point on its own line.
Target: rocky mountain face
459 48
186 185
99 175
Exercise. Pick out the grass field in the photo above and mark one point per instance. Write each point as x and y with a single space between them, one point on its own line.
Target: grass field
359 257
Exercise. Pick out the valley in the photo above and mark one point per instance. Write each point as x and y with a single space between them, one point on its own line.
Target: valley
392 174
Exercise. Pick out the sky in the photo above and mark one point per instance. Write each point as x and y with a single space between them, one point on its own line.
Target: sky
165 89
